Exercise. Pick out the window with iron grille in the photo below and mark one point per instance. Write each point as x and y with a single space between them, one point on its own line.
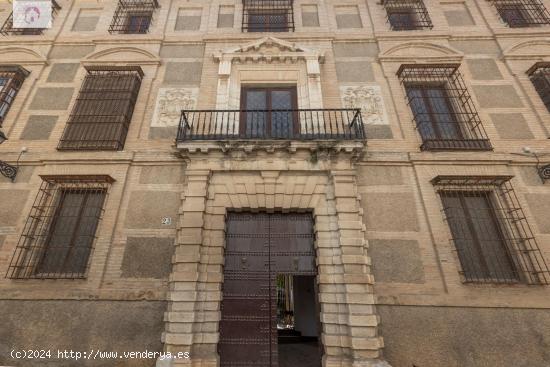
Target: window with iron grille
7 28
59 234
103 109
11 78
268 16
522 13
407 15
493 240
133 16
443 111
540 77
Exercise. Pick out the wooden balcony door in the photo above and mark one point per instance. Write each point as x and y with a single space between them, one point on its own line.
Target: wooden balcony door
269 113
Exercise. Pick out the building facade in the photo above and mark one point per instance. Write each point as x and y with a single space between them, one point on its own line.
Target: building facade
172 165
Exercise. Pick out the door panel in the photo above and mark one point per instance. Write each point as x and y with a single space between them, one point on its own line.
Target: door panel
246 298
258 247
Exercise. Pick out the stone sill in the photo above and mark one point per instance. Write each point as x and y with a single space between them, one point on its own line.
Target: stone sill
270 146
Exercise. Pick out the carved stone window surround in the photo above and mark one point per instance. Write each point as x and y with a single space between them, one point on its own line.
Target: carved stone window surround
269 61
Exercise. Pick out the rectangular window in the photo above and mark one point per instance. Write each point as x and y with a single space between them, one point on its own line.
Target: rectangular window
540 77
11 79
442 108
138 23
8 29
103 109
268 16
59 234
133 16
407 15
493 240
522 13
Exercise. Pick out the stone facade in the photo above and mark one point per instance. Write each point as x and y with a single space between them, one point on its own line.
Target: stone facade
388 276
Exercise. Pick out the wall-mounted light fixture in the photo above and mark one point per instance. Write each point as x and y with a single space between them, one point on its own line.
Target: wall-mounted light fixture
542 169
6 169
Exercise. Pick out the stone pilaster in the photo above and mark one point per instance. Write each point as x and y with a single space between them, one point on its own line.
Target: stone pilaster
183 312
364 342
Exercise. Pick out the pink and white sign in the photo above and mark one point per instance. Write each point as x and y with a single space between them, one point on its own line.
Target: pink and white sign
32 13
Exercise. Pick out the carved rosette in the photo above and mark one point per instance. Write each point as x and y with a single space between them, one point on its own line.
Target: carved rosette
369 99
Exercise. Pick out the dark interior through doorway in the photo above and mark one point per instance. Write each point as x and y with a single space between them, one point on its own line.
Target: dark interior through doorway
297 321
269 309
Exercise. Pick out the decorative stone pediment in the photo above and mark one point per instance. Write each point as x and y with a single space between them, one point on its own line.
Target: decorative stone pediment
267 44
268 50
528 49
126 55
21 55
421 50
269 60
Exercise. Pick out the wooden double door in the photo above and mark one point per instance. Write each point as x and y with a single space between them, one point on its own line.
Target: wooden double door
269 112
259 247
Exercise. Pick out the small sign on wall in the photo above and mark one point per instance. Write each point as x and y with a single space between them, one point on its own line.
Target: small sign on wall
32 14
166 221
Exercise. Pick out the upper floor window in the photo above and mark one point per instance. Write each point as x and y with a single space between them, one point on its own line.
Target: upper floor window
133 16
540 77
493 240
442 108
103 109
59 234
8 29
522 13
268 16
11 78
407 15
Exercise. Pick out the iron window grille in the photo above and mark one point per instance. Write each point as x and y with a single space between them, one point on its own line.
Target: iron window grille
491 235
443 110
540 77
103 109
133 16
60 231
522 13
407 15
8 29
268 16
11 79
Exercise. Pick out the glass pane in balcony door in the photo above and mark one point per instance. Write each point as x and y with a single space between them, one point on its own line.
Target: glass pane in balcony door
256 115
282 114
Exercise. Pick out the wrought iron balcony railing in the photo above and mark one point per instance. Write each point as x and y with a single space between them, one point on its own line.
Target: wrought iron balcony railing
287 124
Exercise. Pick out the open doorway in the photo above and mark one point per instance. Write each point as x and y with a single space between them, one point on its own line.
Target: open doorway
297 321
269 310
